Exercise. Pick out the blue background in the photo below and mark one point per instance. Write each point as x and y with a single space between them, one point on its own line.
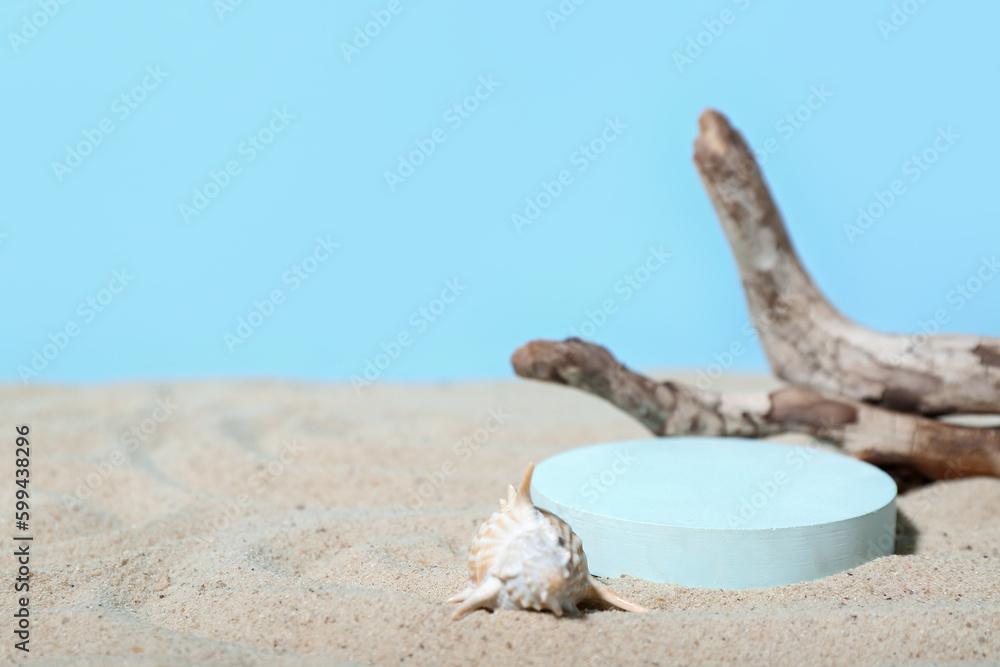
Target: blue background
356 113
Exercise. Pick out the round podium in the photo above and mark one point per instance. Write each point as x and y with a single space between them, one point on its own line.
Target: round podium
719 512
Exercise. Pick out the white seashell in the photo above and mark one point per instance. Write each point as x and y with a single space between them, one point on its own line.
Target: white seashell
524 557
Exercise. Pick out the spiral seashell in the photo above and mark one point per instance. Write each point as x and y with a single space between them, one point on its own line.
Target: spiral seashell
524 557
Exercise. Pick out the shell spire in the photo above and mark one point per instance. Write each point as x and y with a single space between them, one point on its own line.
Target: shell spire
523 495
524 557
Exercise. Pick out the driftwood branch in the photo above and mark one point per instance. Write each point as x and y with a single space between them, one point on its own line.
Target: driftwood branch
878 435
869 392
807 341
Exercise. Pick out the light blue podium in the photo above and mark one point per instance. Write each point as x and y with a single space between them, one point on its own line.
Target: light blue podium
719 512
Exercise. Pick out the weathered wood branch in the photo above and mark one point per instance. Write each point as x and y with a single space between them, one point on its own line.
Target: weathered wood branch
807 341
871 433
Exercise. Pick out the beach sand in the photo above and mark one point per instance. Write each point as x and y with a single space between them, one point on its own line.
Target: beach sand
278 523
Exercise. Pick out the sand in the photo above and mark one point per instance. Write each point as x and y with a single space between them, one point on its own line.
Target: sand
279 523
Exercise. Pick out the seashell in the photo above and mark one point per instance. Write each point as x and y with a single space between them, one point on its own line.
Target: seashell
524 557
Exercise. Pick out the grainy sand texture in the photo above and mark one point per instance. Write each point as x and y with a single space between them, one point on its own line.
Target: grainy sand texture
278 523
